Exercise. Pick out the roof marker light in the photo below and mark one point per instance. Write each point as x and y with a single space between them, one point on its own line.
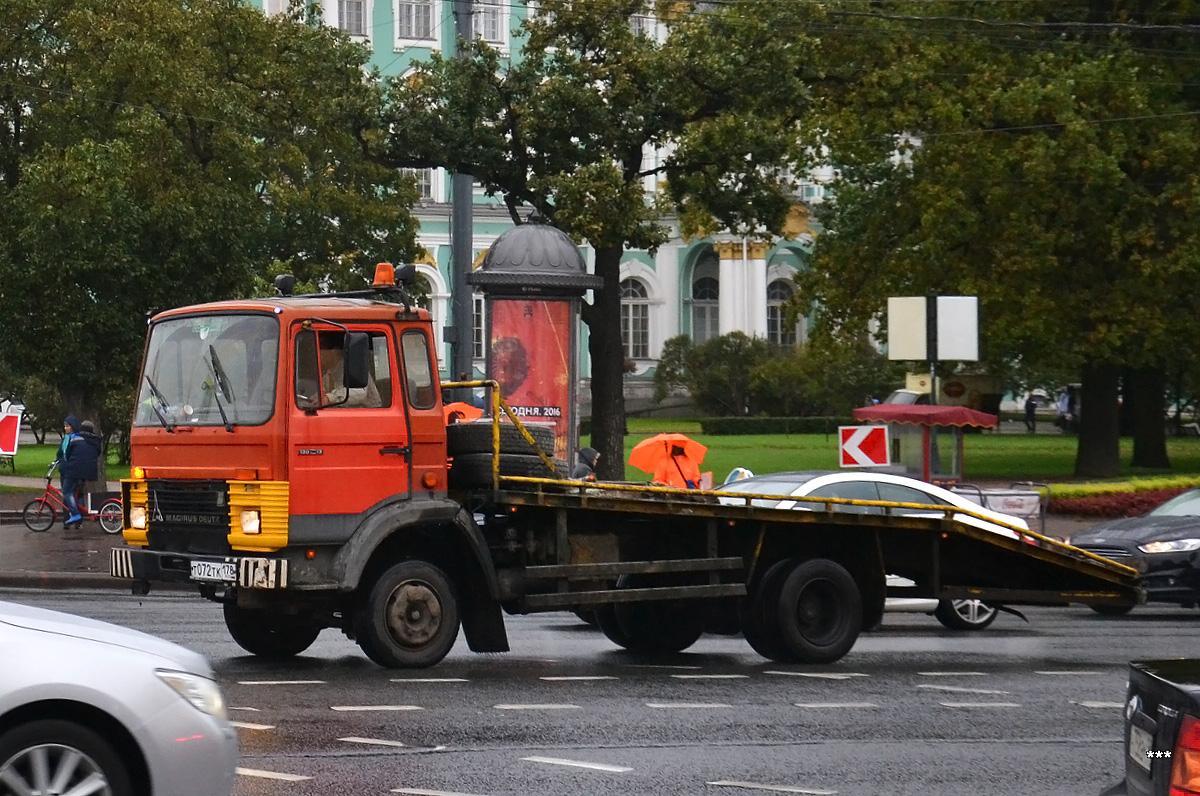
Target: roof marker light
385 275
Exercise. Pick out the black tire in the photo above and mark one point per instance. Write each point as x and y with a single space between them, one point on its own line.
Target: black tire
587 617
658 627
965 614
820 611
471 470
111 516
760 613
410 618
39 515
1111 610
269 635
476 437
36 754
606 620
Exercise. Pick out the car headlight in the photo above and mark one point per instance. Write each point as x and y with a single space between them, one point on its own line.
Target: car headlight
202 693
1174 546
137 517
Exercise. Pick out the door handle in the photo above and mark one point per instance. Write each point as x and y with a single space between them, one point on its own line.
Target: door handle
406 451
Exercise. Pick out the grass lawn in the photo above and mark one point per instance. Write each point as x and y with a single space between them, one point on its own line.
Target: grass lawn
987 457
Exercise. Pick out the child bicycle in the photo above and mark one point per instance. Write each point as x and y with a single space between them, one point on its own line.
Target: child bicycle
41 513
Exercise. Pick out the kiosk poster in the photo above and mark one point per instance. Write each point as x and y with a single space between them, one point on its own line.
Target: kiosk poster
531 361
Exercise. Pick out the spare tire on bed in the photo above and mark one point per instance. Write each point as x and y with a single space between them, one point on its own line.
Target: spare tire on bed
476 437
470 470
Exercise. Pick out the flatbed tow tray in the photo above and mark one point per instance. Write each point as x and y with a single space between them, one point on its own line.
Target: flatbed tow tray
950 558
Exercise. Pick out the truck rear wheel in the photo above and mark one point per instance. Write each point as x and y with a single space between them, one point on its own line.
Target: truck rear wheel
760 613
410 619
820 611
269 635
658 627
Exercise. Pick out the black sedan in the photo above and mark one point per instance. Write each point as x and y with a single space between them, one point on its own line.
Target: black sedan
1162 730
1163 544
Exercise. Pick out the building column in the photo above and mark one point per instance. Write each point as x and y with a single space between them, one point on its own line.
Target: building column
755 297
731 308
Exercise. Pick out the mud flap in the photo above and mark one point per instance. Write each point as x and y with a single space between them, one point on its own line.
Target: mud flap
483 623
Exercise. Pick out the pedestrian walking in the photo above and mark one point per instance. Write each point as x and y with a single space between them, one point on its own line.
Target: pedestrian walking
678 470
1030 413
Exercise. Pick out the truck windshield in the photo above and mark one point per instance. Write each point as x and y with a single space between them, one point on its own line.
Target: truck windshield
209 370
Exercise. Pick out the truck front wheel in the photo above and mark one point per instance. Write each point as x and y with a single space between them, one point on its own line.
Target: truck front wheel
820 611
410 619
269 635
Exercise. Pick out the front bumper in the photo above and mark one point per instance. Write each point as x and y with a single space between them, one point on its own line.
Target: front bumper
156 566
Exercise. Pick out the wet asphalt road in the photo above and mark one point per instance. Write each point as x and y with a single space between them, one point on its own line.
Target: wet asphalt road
914 709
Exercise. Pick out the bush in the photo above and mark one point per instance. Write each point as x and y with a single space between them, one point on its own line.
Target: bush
1112 504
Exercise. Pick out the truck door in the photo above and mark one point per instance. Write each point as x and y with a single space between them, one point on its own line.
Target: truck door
349 449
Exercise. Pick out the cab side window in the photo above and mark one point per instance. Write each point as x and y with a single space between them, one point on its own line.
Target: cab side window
321 372
418 372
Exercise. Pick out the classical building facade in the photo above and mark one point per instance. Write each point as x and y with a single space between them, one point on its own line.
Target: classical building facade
700 287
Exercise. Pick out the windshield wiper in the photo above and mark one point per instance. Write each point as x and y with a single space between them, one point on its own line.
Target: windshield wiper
219 386
159 404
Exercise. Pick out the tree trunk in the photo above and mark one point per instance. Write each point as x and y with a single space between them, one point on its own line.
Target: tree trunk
603 318
1099 452
1144 389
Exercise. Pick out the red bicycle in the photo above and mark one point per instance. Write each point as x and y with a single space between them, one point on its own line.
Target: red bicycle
41 513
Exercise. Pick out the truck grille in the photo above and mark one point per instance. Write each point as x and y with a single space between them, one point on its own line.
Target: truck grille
188 516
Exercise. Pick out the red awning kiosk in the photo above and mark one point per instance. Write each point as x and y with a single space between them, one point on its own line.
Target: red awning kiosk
927 441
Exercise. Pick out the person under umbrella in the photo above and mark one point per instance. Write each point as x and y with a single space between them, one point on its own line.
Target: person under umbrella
678 470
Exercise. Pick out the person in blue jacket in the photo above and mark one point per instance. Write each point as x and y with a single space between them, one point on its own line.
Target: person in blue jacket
77 462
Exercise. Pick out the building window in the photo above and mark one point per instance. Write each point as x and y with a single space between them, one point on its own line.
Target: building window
642 25
778 294
352 16
274 7
490 21
424 293
424 180
414 19
635 319
477 318
706 291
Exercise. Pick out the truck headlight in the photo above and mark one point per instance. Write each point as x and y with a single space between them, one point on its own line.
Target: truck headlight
1173 546
251 522
137 517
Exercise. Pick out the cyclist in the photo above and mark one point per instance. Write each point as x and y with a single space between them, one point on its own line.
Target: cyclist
76 462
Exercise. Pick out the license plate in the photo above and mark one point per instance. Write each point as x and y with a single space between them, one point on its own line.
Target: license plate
1139 746
219 571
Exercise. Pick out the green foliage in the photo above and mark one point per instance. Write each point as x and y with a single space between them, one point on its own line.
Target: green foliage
159 154
737 426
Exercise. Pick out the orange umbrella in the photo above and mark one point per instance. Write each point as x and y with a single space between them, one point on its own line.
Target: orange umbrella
461 410
649 452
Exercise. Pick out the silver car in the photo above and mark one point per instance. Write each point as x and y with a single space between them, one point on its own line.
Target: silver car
90 707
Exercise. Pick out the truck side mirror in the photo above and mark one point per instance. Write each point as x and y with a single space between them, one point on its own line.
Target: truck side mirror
358 360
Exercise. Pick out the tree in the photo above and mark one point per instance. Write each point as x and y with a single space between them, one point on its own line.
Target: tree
1041 156
564 129
154 154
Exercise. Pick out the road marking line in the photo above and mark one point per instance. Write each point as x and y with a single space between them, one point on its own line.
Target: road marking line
557 761
373 741
245 725
669 705
579 678
980 704
254 710
429 680
774 788
835 704
712 676
254 772
1069 671
355 708
952 674
820 675
281 682
423 792
659 666
960 690
549 706
1087 704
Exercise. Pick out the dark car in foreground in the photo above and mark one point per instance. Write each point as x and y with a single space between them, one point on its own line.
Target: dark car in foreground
1162 544
1162 730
